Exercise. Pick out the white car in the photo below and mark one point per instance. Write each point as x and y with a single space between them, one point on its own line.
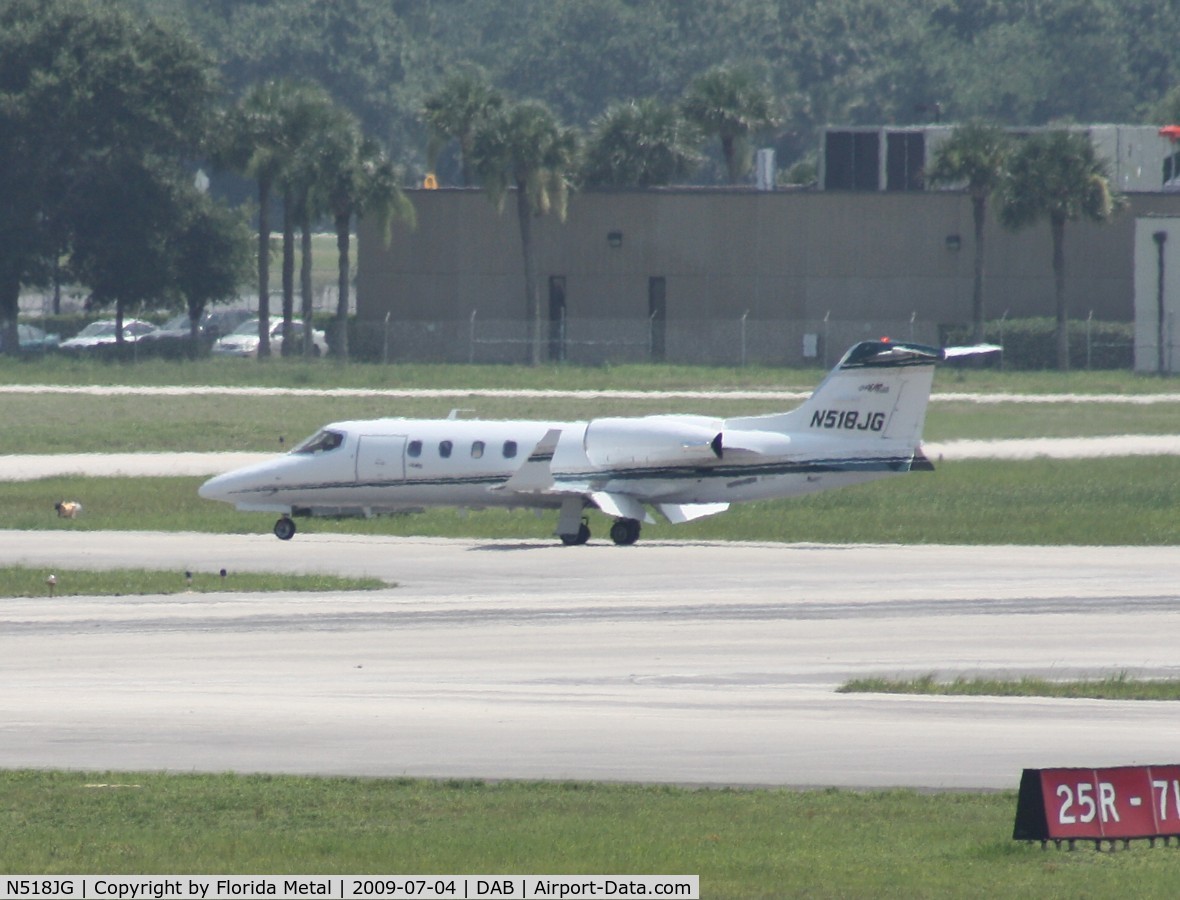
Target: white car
103 332
243 340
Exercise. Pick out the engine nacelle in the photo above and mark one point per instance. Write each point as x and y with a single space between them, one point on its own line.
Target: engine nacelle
652 440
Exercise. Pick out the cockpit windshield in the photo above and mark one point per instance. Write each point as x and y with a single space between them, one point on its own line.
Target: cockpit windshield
321 442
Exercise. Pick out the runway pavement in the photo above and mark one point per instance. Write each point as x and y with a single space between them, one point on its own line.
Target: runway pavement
698 663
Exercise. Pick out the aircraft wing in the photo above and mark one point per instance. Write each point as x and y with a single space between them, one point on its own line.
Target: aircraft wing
536 475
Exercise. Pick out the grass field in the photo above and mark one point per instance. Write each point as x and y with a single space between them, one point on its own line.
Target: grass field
23 581
63 370
742 844
1103 501
1114 687
67 423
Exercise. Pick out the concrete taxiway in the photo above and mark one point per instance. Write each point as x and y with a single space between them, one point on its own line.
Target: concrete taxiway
664 662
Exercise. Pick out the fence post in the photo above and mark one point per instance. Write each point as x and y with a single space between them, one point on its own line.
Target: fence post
1089 343
1002 353
745 316
827 334
385 341
471 339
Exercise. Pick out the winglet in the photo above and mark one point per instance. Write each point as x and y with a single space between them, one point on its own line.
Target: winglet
536 474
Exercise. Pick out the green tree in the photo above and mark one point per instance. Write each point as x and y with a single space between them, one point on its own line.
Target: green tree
89 95
125 226
1057 175
975 157
311 119
523 146
454 111
259 138
639 144
211 257
730 103
363 183
361 51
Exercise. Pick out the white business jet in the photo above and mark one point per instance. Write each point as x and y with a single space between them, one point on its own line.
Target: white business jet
863 422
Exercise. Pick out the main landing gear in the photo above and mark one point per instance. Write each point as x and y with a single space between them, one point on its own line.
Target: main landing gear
623 532
285 528
579 537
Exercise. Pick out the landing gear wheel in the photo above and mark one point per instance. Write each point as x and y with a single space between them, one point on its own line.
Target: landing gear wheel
284 529
574 540
625 532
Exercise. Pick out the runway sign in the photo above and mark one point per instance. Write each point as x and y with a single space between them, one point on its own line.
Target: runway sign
1117 803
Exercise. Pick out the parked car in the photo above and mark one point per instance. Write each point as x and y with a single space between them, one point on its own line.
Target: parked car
243 341
172 339
33 339
102 332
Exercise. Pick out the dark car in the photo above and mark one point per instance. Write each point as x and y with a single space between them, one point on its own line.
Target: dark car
172 338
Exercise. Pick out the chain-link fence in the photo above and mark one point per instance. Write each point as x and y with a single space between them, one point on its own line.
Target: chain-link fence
722 342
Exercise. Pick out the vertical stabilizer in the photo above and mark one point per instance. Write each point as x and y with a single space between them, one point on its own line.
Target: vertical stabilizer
880 389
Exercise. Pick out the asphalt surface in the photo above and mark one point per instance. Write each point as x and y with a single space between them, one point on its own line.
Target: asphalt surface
692 663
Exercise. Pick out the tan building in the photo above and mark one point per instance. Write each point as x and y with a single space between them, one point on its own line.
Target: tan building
720 276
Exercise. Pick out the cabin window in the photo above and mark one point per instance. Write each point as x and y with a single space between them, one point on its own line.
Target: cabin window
321 442
414 449
477 449
444 449
509 449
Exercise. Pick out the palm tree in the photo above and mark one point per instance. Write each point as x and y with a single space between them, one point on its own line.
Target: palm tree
254 141
639 144
455 111
524 146
362 182
1057 175
313 123
731 103
974 156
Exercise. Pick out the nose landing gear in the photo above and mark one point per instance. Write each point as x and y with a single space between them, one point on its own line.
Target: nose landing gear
285 528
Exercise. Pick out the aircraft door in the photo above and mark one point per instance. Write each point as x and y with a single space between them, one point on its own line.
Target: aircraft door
381 458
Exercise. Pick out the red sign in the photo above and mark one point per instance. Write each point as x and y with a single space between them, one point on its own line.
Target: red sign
1099 804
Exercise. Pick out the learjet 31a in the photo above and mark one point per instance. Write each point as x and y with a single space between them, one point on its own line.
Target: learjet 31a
863 422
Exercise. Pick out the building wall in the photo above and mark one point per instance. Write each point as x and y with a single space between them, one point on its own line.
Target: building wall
774 261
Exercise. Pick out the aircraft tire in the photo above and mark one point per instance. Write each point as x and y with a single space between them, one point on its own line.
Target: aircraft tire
285 529
625 532
576 540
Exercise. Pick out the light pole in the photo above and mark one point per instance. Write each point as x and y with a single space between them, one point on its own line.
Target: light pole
1160 238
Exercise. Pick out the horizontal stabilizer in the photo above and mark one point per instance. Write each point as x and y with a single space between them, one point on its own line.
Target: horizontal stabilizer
679 513
536 475
621 506
974 350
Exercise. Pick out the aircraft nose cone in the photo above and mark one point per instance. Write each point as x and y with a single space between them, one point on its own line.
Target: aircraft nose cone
210 490
215 488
